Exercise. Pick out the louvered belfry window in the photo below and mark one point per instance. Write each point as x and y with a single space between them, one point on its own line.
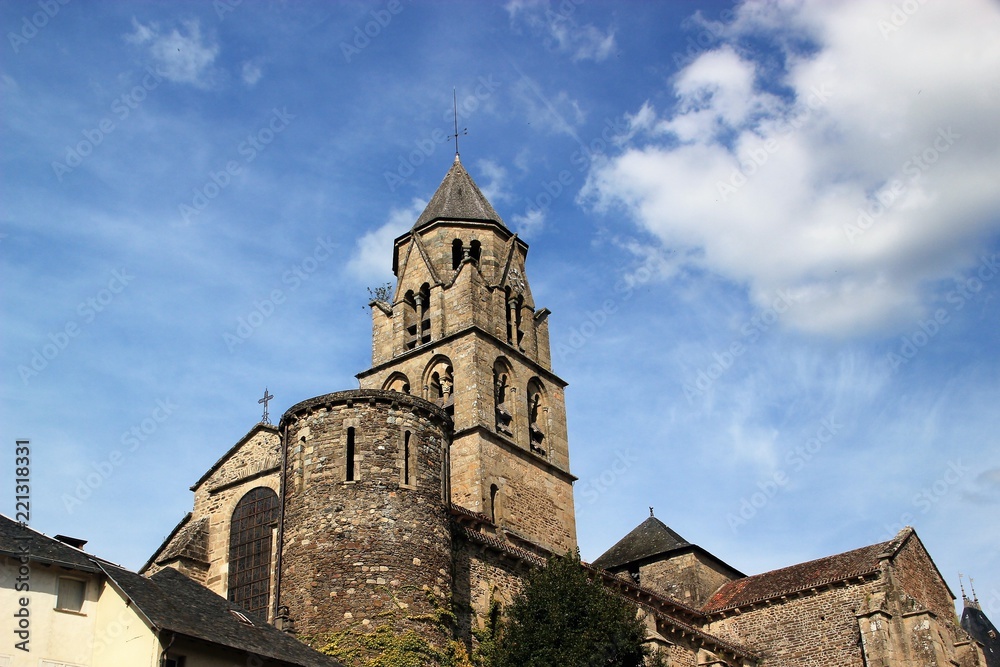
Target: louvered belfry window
250 550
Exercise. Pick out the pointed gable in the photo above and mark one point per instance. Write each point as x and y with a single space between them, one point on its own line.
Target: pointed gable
458 198
649 538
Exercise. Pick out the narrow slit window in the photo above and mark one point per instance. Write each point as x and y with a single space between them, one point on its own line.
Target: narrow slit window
407 460
349 455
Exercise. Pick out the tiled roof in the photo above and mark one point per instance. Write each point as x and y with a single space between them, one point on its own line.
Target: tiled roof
458 198
17 539
649 538
172 602
980 628
804 576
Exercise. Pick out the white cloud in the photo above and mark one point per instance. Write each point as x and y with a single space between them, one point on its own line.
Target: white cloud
770 190
495 188
369 261
529 223
556 114
560 31
180 57
251 73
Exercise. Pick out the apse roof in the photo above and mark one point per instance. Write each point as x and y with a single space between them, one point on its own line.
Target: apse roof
458 198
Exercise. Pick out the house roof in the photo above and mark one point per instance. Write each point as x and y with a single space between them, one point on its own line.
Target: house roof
805 576
458 198
16 539
171 602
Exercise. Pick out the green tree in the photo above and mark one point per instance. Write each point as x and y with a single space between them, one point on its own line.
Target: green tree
562 618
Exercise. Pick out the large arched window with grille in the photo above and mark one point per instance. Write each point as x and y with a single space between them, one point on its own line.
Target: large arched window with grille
250 536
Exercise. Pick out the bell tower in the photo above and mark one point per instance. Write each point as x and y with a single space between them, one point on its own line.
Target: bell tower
463 331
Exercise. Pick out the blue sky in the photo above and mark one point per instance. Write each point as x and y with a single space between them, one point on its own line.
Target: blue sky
768 234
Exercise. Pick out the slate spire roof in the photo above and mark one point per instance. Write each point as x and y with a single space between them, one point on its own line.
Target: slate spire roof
980 628
458 198
649 538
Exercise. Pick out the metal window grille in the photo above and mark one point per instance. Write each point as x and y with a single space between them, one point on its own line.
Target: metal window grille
250 550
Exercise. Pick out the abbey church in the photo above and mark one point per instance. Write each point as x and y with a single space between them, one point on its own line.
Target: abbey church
445 477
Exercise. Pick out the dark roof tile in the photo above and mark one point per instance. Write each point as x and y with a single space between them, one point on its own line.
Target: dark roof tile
458 198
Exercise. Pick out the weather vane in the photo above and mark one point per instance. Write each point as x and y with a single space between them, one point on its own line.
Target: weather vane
267 397
465 130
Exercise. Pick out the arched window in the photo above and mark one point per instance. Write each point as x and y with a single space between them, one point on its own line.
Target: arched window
537 417
250 536
410 319
502 401
514 304
476 251
424 312
397 382
439 383
456 254
494 502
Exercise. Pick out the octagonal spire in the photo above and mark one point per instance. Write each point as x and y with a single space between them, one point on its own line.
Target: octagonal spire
458 198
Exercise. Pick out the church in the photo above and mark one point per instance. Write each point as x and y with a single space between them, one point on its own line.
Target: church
414 505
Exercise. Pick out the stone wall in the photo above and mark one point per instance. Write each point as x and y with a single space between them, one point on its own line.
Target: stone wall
690 577
815 630
482 577
370 551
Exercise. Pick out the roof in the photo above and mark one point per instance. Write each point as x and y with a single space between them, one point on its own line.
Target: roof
805 576
980 628
17 539
650 538
458 198
171 602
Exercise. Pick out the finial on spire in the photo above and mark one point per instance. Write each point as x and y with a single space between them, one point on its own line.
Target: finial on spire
650 511
975 598
961 585
267 397
465 130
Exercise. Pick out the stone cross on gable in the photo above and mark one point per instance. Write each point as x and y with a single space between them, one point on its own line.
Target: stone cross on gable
267 397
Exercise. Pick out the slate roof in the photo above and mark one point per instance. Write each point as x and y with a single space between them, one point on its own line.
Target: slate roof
170 601
805 576
41 548
650 538
458 198
979 626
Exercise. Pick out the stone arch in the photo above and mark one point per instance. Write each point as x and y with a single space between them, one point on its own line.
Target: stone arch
457 253
503 400
397 382
251 528
439 382
538 409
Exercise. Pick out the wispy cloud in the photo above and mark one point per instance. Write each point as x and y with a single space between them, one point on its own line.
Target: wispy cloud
182 56
558 26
